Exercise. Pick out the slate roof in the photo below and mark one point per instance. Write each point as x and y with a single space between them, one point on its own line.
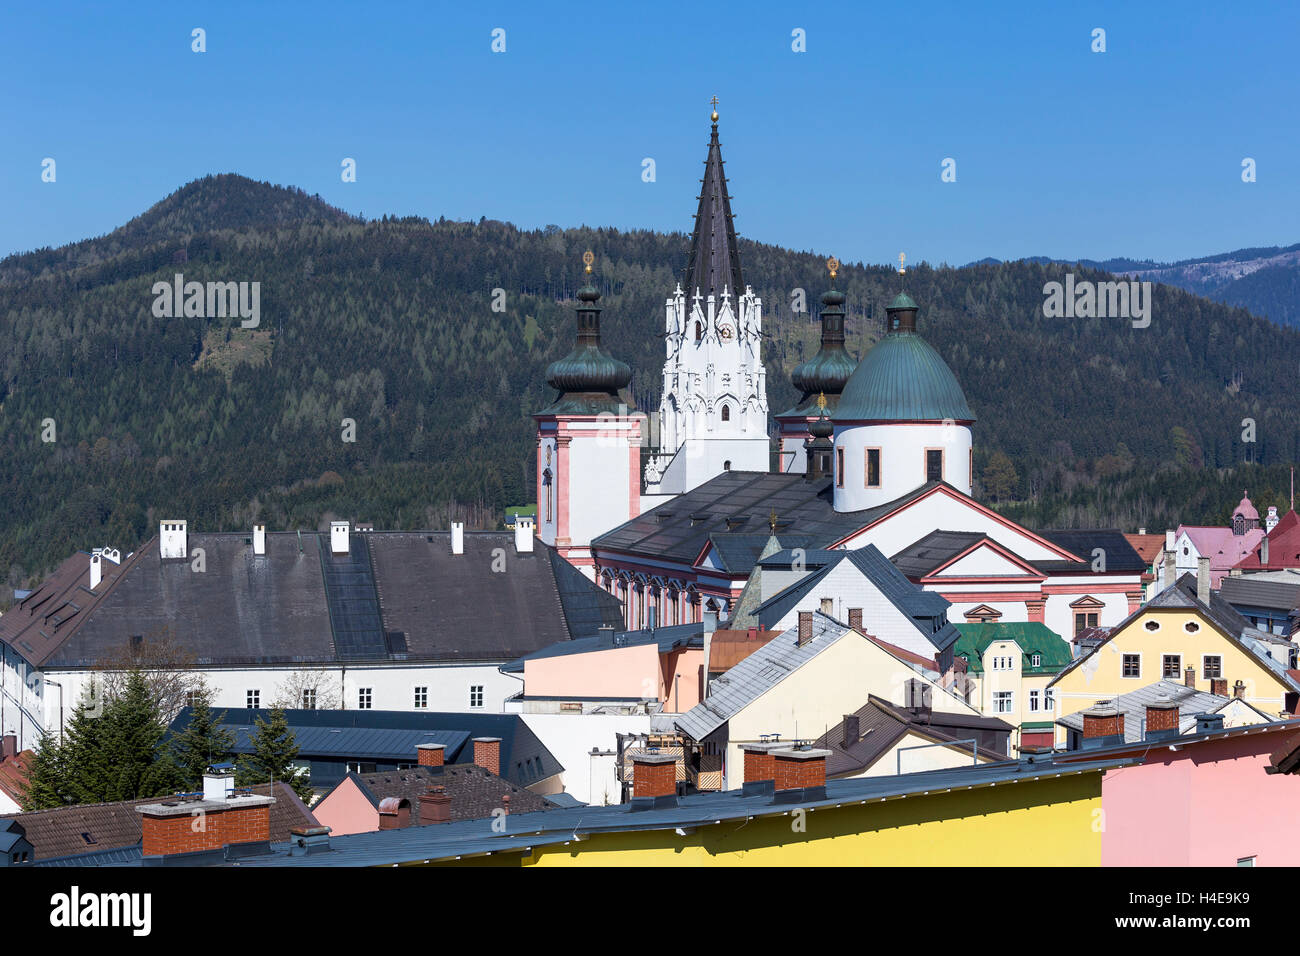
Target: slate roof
475 791
715 256
881 725
925 608
396 596
1133 706
392 736
1246 592
678 530
668 638
1032 637
934 550
758 673
115 826
737 552
1119 554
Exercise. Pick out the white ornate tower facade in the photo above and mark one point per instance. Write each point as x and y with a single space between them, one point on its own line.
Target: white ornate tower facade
713 414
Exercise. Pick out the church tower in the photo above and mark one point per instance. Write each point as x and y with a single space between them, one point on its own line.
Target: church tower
902 420
820 380
713 415
588 443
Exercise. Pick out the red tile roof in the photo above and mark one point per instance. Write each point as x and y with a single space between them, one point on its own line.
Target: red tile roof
1283 547
904 654
13 775
1148 546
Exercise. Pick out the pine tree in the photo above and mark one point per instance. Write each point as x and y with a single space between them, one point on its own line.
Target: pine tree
45 787
132 735
83 764
202 743
274 751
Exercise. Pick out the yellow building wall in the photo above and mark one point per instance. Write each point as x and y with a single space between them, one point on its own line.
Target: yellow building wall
1101 676
1046 822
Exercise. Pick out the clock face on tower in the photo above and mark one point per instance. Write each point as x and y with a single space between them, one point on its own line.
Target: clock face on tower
726 332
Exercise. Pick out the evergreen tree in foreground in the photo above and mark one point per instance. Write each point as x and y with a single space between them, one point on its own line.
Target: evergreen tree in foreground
132 735
45 787
274 751
202 743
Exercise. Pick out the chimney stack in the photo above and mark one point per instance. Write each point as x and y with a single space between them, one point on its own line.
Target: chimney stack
429 755
169 828
8 747
760 767
458 537
1219 686
259 539
1162 716
1263 550
805 628
1171 568
855 619
435 806
800 770
1203 579
654 777
1189 677
852 730
1271 521
219 783
710 621
96 568
1239 690
487 753
523 534
338 537
1101 720
173 539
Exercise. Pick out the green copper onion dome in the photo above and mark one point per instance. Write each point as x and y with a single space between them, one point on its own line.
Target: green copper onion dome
589 380
827 371
902 378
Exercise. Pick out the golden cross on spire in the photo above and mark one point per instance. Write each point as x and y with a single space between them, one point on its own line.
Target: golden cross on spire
714 103
771 521
588 259
833 265
902 257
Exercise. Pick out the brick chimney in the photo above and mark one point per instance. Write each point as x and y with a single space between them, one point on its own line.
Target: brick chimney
1219 685
759 765
805 628
430 755
435 806
800 769
392 815
1103 719
192 826
505 803
9 747
855 619
487 753
1239 690
1203 579
1162 715
1189 677
654 775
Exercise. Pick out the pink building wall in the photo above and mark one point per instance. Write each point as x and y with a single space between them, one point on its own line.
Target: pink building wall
626 672
1209 804
346 810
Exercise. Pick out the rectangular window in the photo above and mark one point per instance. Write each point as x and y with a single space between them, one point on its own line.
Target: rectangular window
873 467
1171 666
476 695
309 698
839 467
1213 665
253 699
192 698
1132 665
1033 701
1084 620
365 696
1036 660
1049 700
934 464
421 698
1002 701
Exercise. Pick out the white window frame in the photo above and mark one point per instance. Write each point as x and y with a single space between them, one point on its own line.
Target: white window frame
1001 697
1033 701
309 698
253 698
420 696
365 698
1049 700
476 690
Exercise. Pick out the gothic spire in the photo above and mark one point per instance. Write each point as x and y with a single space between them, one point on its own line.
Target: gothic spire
715 258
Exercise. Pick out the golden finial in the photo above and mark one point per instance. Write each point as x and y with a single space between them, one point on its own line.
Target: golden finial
902 257
714 102
588 259
821 401
833 265
771 521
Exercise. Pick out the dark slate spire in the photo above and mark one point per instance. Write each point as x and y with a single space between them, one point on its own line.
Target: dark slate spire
589 380
715 259
826 372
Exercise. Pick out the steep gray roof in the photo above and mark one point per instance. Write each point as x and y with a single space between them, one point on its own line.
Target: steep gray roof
399 596
758 673
1248 592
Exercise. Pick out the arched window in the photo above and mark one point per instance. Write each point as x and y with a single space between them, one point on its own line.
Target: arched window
699 331
726 413
726 465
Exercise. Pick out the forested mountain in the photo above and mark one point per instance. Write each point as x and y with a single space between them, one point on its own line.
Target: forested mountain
390 323
1265 281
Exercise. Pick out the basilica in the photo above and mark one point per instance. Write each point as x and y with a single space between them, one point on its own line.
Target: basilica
876 451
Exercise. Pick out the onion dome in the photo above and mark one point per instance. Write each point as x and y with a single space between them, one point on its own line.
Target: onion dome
589 380
826 372
902 378
819 447
1246 510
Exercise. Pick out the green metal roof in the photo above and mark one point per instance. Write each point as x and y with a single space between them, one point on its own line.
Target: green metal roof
902 379
902 301
1032 637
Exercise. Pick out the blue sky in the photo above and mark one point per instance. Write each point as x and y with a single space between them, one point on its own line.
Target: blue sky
1059 151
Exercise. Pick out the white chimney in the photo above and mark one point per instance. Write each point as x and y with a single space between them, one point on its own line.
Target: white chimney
1169 540
96 569
1203 579
338 537
1271 521
218 785
1263 550
458 537
259 539
112 554
1142 530
523 533
173 539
